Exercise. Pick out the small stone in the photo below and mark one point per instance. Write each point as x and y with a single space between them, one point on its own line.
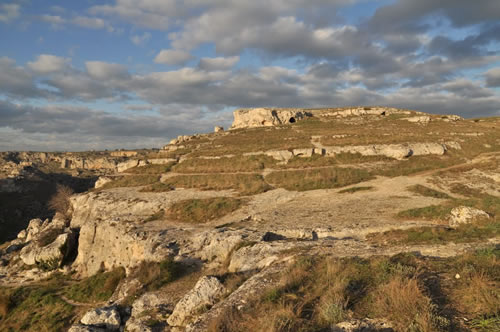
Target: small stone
457 276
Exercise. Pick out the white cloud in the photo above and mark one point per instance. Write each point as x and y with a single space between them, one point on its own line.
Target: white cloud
46 63
219 63
140 40
173 57
9 12
92 23
53 19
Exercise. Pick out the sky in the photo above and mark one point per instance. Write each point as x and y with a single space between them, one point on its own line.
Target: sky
94 75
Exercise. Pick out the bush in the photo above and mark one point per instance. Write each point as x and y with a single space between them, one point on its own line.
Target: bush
59 202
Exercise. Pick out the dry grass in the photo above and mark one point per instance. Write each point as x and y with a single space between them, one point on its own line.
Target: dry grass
353 190
59 202
428 192
151 169
479 295
203 210
154 275
132 181
245 184
225 164
97 288
314 294
324 178
403 302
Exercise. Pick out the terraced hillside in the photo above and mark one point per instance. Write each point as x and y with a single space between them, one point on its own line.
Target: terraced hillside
360 219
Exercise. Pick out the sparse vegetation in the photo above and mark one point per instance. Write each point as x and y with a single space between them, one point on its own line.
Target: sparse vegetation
96 288
316 293
323 178
354 189
132 181
428 192
203 210
154 275
59 202
151 169
225 164
245 184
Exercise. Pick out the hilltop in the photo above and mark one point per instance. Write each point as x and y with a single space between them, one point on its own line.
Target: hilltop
328 219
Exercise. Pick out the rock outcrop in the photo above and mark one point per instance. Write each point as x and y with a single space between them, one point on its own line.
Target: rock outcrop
265 117
205 293
106 317
465 215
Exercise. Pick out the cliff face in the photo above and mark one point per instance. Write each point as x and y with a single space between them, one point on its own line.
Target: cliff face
265 117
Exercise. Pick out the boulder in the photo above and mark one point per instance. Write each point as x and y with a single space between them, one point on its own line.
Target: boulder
205 293
422 149
138 325
50 256
465 215
363 325
107 317
218 129
146 302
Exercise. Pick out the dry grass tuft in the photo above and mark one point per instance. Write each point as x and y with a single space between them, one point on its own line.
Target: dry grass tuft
479 295
402 301
225 164
132 181
59 202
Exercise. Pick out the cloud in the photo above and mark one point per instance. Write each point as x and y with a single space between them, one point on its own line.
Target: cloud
143 107
9 12
55 20
152 14
16 81
140 40
46 63
219 63
106 71
92 23
173 57
493 77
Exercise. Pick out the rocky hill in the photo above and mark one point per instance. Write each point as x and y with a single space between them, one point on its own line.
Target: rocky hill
352 219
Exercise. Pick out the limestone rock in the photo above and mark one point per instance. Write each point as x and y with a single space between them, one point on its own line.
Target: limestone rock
34 227
107 317
146 302
422 149
423 119
281 155
51 255
123 166
206 292
257 256
85 328
101 181
265 117
126 288
213 245
138 325
218 129
304 153
464 215
363 325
